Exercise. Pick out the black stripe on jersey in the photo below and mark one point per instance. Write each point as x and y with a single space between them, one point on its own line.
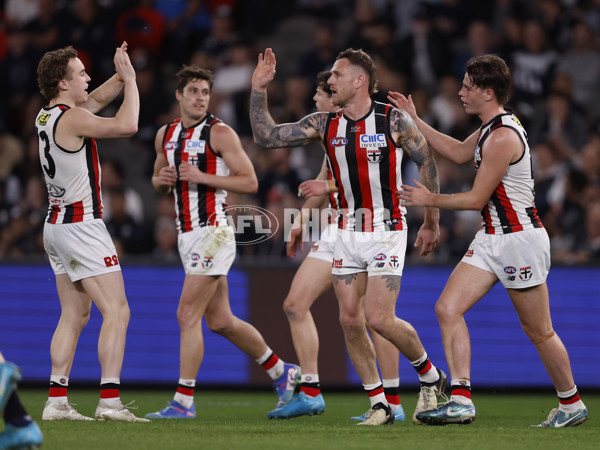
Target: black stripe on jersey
89 158
531 213
382 124
69 213
352 163
177 161
202 165
504 222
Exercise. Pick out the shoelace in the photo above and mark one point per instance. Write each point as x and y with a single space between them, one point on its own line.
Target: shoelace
551 416
128 406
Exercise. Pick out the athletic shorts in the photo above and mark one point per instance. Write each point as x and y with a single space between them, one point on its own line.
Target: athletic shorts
81 250
377 253
207 250
323 248
519 260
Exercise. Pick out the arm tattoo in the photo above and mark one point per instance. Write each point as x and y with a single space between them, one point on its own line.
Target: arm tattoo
413 142
270 135
392 282
349 278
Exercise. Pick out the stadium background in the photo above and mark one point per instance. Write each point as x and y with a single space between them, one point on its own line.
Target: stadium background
420 47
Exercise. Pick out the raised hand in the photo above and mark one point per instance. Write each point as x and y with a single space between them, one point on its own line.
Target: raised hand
265 70
401 102
123 66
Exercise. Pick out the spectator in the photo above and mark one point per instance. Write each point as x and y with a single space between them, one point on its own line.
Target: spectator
582 63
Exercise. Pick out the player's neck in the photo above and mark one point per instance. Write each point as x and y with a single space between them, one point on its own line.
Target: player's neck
357 108
62 100
490 113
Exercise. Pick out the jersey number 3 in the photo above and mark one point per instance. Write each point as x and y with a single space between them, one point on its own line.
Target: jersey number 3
51 168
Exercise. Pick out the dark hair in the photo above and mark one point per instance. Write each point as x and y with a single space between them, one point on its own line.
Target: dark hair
322 84
362 59
490 72
53 68
189 73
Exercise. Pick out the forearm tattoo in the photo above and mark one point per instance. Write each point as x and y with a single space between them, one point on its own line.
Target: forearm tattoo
270 135
392 282
414 143
348 279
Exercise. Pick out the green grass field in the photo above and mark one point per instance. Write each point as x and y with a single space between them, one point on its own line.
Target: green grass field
236 420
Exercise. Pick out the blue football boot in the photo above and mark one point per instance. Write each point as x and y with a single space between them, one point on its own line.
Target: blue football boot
285 385
299 405
174 410
449 412
9 376
561 419
21 438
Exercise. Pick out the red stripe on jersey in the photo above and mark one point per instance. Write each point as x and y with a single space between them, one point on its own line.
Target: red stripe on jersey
54 210
186 217
365 187
487 219
96 180
77 212
211 167
511 215
396 213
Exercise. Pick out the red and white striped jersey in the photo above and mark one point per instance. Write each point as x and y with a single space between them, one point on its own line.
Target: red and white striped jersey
72 177
333 197
196 205
512 205
366 164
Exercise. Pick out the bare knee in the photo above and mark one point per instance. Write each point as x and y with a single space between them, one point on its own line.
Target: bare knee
293 309
446 312
537 335
220 324
352 323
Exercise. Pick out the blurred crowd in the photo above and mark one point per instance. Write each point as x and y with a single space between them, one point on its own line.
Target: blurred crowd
419 46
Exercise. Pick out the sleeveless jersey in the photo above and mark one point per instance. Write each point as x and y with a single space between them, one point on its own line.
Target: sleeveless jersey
72 177
366 165
512 206
333 197
196 205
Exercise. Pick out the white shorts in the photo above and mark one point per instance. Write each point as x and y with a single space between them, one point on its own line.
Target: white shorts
208 250
519 260
377 253
323 248
81 250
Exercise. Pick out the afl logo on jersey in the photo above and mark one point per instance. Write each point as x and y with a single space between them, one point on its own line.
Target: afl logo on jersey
171 146
338 141
43 119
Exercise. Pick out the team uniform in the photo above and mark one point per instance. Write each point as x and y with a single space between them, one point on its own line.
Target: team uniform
323 248
206 241
366 164
75 236
513 243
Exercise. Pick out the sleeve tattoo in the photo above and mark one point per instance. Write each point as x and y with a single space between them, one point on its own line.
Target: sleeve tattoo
413 142
269 135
